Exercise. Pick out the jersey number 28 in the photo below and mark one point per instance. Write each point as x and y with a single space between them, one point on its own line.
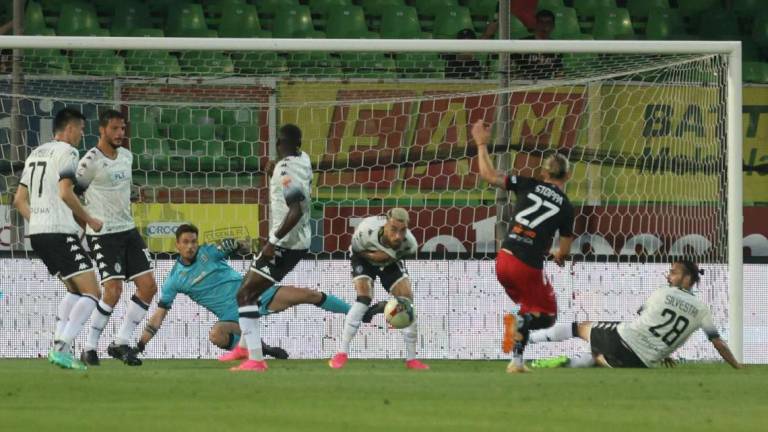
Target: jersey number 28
678 327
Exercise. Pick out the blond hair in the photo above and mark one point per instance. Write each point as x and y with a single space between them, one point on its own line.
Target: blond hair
557 166
398 214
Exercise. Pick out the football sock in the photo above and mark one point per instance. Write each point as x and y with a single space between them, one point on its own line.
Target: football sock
62 313
331 303
556 333
77 317
353 320
250 328
135 312
582 360
410 336
99 319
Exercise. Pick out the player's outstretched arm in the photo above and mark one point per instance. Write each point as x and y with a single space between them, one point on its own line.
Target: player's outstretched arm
152 327
481 134
67 194
563 250
726 353
21 201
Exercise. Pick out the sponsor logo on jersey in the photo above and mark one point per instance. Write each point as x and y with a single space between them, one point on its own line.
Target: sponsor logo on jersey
117 268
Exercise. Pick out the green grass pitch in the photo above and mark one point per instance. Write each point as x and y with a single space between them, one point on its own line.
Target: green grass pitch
302 395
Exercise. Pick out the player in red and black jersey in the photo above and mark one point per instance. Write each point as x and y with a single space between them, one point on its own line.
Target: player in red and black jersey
542 208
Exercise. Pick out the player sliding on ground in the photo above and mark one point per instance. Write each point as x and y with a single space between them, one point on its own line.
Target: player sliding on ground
46 199
104 177
542 208
378 246
668 318
202 273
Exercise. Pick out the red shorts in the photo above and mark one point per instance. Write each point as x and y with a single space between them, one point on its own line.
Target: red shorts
525 285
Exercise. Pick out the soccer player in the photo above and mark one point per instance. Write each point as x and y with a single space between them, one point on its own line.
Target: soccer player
202 273
46 199
289 237
542 208
104 178
668 318
378 246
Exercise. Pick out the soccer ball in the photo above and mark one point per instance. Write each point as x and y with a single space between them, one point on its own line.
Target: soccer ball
399 312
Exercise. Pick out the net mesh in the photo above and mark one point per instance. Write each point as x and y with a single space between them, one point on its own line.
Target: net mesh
645 135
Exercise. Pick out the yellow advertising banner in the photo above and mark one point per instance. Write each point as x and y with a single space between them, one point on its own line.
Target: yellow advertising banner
158 222
755 133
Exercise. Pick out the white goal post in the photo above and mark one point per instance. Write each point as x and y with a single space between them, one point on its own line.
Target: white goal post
733 97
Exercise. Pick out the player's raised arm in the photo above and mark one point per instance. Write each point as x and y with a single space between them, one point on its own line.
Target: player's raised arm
481 134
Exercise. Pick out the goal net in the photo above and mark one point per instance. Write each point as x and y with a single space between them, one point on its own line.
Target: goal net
646 132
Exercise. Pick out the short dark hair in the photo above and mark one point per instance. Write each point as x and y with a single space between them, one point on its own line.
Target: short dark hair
692 270
186 228
289 134
545 13
466 33
64 117
108 115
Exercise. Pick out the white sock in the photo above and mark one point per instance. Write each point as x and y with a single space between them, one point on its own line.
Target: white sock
62 314
556 333
410 336
583 360
135 312
77 317
352 324
99 319
250 328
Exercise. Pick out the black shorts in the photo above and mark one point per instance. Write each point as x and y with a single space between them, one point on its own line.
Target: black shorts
280 265
122 255
388 275
605 340
62 254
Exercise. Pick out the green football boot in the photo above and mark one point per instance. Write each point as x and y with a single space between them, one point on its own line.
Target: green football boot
548 363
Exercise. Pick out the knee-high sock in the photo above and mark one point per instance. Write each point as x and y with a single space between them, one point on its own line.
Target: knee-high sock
582 360
250 328
331 303
77 317
99 319
62 313
352 324
410 336
556 333
135 312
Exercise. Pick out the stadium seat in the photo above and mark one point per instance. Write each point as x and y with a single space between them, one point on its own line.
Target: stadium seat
186 20
664 24
46 62
420 65
293 22
448 22
400 23
641 9
755 72
550 5
77 19
718 24
589 8
202 63
166 66
129 15
378 7
347 22
240 21
518 30
143 129
272 7
97 63
760 30
323 7
259 63
34 22
215 8
748 7
566 24
484 8
613 24
690 8
432 7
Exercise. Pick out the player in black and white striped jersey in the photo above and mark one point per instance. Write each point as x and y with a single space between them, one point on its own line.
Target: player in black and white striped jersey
104 178
46 199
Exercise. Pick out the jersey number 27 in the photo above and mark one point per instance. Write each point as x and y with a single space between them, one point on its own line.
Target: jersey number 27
522 217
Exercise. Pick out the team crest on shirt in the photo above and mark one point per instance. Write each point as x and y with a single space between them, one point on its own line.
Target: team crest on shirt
359 269
204 259
117 268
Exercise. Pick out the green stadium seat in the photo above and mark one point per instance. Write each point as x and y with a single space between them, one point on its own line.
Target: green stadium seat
518 30
550 5
566 24
641 9
246 149
272 7
46 62
98 63
323 7
589 8
77 19
448 22
748 7
186 20
216 8
129 15
240 21
485 8
378 7
690 8
243 133
293 22
167 66
613 24
718 24
347 22
420 65
755 72
432 7
202 63
760 30
400 23
34 21
665 24
259 63
144 130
